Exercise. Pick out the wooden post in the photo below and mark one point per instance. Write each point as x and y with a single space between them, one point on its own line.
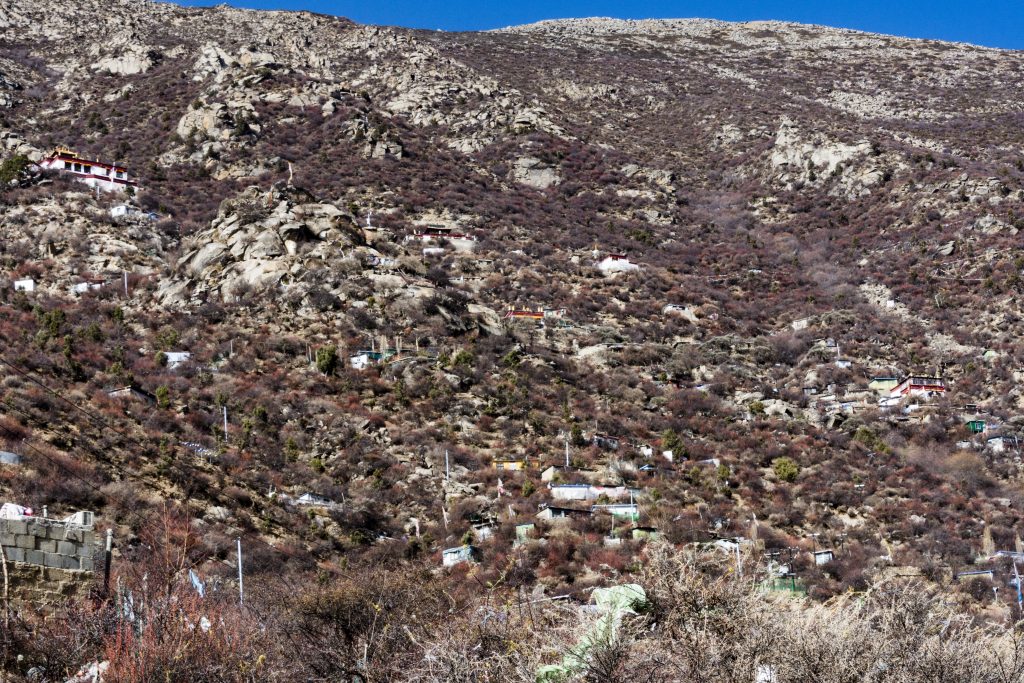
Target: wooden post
6 590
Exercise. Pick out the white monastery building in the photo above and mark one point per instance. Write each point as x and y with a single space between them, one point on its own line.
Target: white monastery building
107 177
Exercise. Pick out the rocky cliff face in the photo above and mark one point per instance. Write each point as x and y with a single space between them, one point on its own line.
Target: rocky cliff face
802 209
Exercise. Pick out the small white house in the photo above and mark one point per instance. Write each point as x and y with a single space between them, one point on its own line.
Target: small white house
617 263
124 211
25 285
823 556
8 458
176 358
628 510
83 287
360 361
458 555
1001 444
801 324
313 500
570 491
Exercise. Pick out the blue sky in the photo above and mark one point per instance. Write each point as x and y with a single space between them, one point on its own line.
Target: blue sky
996 23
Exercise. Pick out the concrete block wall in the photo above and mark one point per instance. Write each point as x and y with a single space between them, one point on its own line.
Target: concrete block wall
50 543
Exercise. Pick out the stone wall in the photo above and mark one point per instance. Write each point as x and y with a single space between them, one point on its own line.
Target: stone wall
49 543
48 561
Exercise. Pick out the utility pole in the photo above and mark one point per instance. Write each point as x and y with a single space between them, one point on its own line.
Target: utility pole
447 467
106 561
241 592
126 284
1020 594
225 423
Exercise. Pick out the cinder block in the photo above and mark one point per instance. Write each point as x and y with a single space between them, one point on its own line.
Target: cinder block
14 526
7 539
86 564
53 560
25 541
35 557
65 548
46 545
68 562
15 554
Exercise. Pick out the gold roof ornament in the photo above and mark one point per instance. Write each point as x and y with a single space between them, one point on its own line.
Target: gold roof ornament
60 150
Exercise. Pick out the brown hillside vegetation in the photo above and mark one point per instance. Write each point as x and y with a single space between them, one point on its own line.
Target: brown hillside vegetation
439 326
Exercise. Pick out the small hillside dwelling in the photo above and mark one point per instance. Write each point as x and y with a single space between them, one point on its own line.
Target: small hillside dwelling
801 324
176 358
361 361
524 533
458 555
604 441
570 491
132 392
919 386
554 471
976 426
844 363
313 500
484 531
364 359
617 263
106 177
510 464
553 513
1001 444
823 556
730 545
629 511
611 491
976 574
434 233
8 458
129 211
83 287
124 210
589 491
25 285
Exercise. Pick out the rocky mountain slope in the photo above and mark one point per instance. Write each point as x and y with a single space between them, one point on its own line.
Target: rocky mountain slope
807 209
